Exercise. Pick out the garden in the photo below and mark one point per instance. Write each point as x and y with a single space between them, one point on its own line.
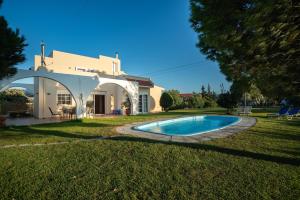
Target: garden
95 162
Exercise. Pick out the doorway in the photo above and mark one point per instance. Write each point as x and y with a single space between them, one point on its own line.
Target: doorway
99 104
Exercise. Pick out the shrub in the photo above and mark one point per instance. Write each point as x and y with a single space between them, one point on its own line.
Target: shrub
227 100
13 95
13 99
177 100
166 101
196 101
209 103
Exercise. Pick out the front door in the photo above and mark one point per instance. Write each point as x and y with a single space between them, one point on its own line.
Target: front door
99 104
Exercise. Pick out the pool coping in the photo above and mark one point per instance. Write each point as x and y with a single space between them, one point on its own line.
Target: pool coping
243 124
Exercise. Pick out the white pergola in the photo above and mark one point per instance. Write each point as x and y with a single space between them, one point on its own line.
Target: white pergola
79 86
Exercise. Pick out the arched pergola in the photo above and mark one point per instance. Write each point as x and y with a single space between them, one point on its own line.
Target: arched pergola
130 87
73 83
79 86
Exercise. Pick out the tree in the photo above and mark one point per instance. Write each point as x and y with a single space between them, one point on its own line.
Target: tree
177 100
209 102
11 48
208 90
203 91
14 96
239 88
214 95
196 101
255 96
166 101
227 100
222 89
252 40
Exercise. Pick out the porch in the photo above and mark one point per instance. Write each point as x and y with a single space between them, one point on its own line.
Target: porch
108 100
84 95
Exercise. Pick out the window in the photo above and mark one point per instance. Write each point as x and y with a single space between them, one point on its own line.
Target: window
143 103
64 99
80 69
85 69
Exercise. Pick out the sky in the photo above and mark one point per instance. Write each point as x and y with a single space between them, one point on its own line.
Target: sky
153 38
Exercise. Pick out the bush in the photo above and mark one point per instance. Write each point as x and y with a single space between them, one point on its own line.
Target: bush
209 103
13 95
13 99
177 100
227 100
196 101
166 101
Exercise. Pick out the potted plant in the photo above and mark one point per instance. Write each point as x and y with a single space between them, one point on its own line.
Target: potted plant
90 106
126 105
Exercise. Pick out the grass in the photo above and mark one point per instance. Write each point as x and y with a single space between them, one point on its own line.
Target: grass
81 129
260 163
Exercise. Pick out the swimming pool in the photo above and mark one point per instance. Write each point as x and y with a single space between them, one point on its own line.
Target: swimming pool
188 126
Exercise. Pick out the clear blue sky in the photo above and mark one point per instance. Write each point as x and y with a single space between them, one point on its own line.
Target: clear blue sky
150 36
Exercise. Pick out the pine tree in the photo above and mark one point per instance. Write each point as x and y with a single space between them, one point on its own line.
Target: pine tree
11 48
203 91
208 90
253 41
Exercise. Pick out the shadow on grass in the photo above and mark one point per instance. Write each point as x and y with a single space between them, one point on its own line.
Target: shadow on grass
276 134
14 132
209 147
293 122
71 123
292 152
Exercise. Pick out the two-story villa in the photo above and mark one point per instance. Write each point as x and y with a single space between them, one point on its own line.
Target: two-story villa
93 86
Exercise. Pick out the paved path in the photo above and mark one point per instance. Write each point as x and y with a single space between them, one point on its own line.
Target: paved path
245 123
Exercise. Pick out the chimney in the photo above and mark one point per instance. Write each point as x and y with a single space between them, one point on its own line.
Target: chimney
117 55
43 64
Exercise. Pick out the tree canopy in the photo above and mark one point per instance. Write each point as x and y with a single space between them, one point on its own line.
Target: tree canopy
177 100
254 42
13 95
11 48
166 101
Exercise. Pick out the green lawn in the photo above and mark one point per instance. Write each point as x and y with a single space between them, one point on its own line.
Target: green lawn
260 163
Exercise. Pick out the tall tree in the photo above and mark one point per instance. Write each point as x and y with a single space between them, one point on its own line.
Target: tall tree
222 89
203 91
12 45
252 40
208 89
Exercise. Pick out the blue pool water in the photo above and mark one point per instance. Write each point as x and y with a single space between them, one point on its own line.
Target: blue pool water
189 125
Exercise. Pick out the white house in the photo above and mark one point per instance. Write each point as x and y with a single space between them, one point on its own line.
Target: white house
93 86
